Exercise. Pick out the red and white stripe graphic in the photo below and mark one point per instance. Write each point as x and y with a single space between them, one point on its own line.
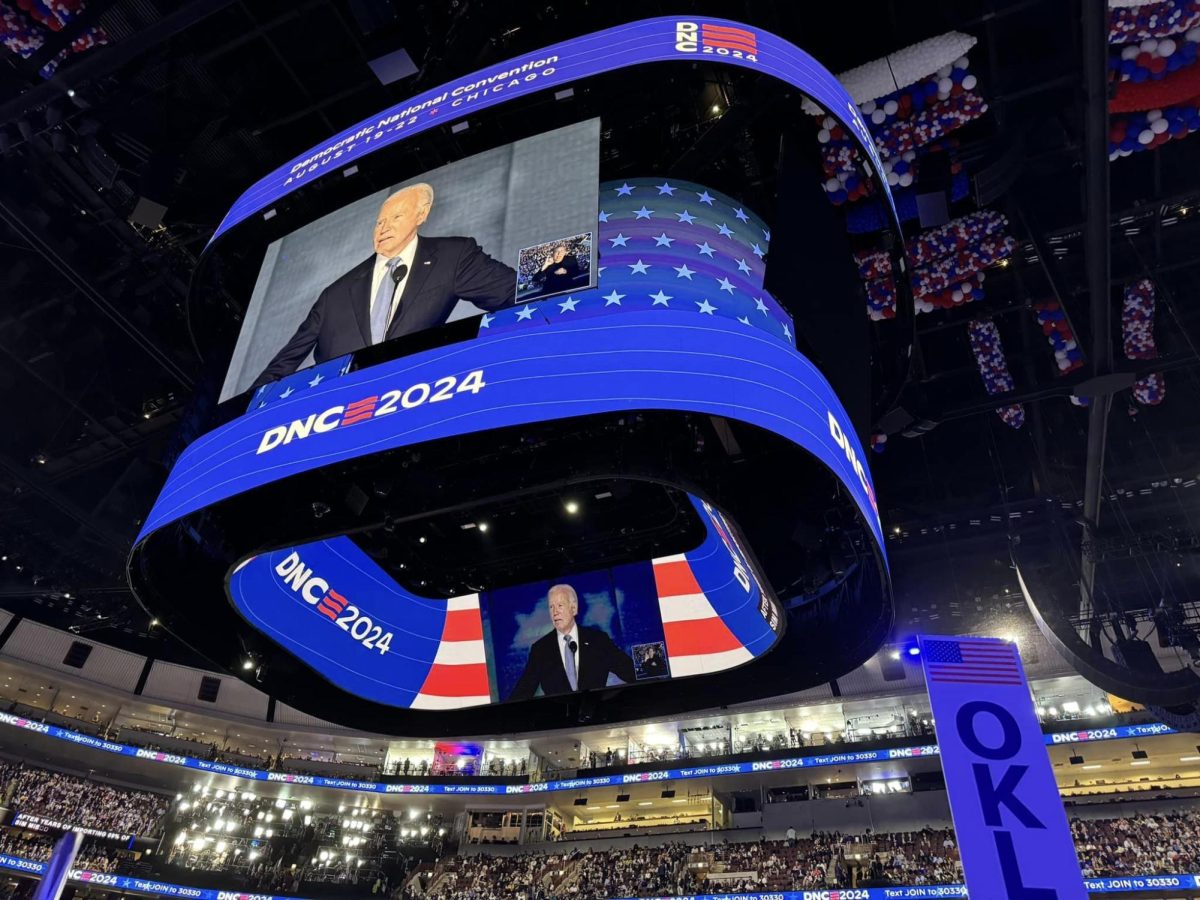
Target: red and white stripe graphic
698 641
729 38
459 675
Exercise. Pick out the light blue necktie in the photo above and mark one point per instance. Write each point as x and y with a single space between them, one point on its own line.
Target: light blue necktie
569 661
381 309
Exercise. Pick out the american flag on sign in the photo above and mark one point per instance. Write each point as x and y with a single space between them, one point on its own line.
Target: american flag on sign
729 38
972 662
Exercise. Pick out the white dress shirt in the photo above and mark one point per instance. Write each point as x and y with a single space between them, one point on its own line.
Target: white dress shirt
565 648
380 272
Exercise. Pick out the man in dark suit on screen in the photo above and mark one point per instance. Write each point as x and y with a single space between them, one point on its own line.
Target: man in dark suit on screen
409 284
572 657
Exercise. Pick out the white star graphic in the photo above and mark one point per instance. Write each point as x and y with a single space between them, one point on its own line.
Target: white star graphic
705 197
660 299
705 250
568 305
665 188
637 268
613 298
624 190
643 213
663 241
686 217
743 320
743 266
316 380
724 230
787 334
287 393
684 272
767 234
705 307
603 216
486 320
726 284
762 307
619 240
740 213
524 313
758 251
261 404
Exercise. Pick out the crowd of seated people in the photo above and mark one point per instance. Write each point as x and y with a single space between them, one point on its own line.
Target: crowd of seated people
1135 845
92 855
1158 844
79 801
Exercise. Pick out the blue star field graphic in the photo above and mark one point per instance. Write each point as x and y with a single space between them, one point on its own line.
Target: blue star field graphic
666 244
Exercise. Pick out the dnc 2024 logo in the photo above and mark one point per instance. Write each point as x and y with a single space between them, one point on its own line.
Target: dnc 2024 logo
716 40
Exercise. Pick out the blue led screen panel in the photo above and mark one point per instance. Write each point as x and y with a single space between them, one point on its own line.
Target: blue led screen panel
510 225
342 614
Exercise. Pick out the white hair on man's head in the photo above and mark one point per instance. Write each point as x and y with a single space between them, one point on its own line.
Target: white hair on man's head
424 191
564 589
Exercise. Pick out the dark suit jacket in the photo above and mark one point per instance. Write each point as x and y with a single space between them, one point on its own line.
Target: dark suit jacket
598 656
444 270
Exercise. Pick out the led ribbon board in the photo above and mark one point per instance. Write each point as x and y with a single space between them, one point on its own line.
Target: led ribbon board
332 606
661 360
1129 883
665 39
465 785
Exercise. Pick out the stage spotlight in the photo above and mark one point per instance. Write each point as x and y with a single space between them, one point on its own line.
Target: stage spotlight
247 665
914 651
571 507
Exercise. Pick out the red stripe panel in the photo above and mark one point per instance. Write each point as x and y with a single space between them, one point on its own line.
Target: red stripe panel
729 44
463 625
674 579
727 29
326 611
335 598
456 681
365 401
699 636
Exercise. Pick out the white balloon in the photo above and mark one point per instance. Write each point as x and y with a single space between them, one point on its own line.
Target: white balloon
1166 47
823 136
833 185
868 107
969 83
893 179
1145 136
891 107
906 179
1154 115
908 155
1158 126
1130 51
961 63
944 71
957 296
878 116
944 85
1149 45
1064 364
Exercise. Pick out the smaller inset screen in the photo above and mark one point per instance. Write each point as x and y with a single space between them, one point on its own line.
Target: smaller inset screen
555 267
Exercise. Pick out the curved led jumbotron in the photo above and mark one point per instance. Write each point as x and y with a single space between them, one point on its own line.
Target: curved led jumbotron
678 372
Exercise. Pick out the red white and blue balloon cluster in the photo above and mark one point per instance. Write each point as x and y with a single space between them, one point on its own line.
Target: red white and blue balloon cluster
912 100
993 367
1153 63
1137 328
913 119
948 264
1053 320
666 244
1137 22
1154 58
24 25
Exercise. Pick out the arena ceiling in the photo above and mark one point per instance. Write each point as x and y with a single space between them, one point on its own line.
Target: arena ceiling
189 103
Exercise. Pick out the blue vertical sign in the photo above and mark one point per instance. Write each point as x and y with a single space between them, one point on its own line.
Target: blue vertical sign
1013 833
